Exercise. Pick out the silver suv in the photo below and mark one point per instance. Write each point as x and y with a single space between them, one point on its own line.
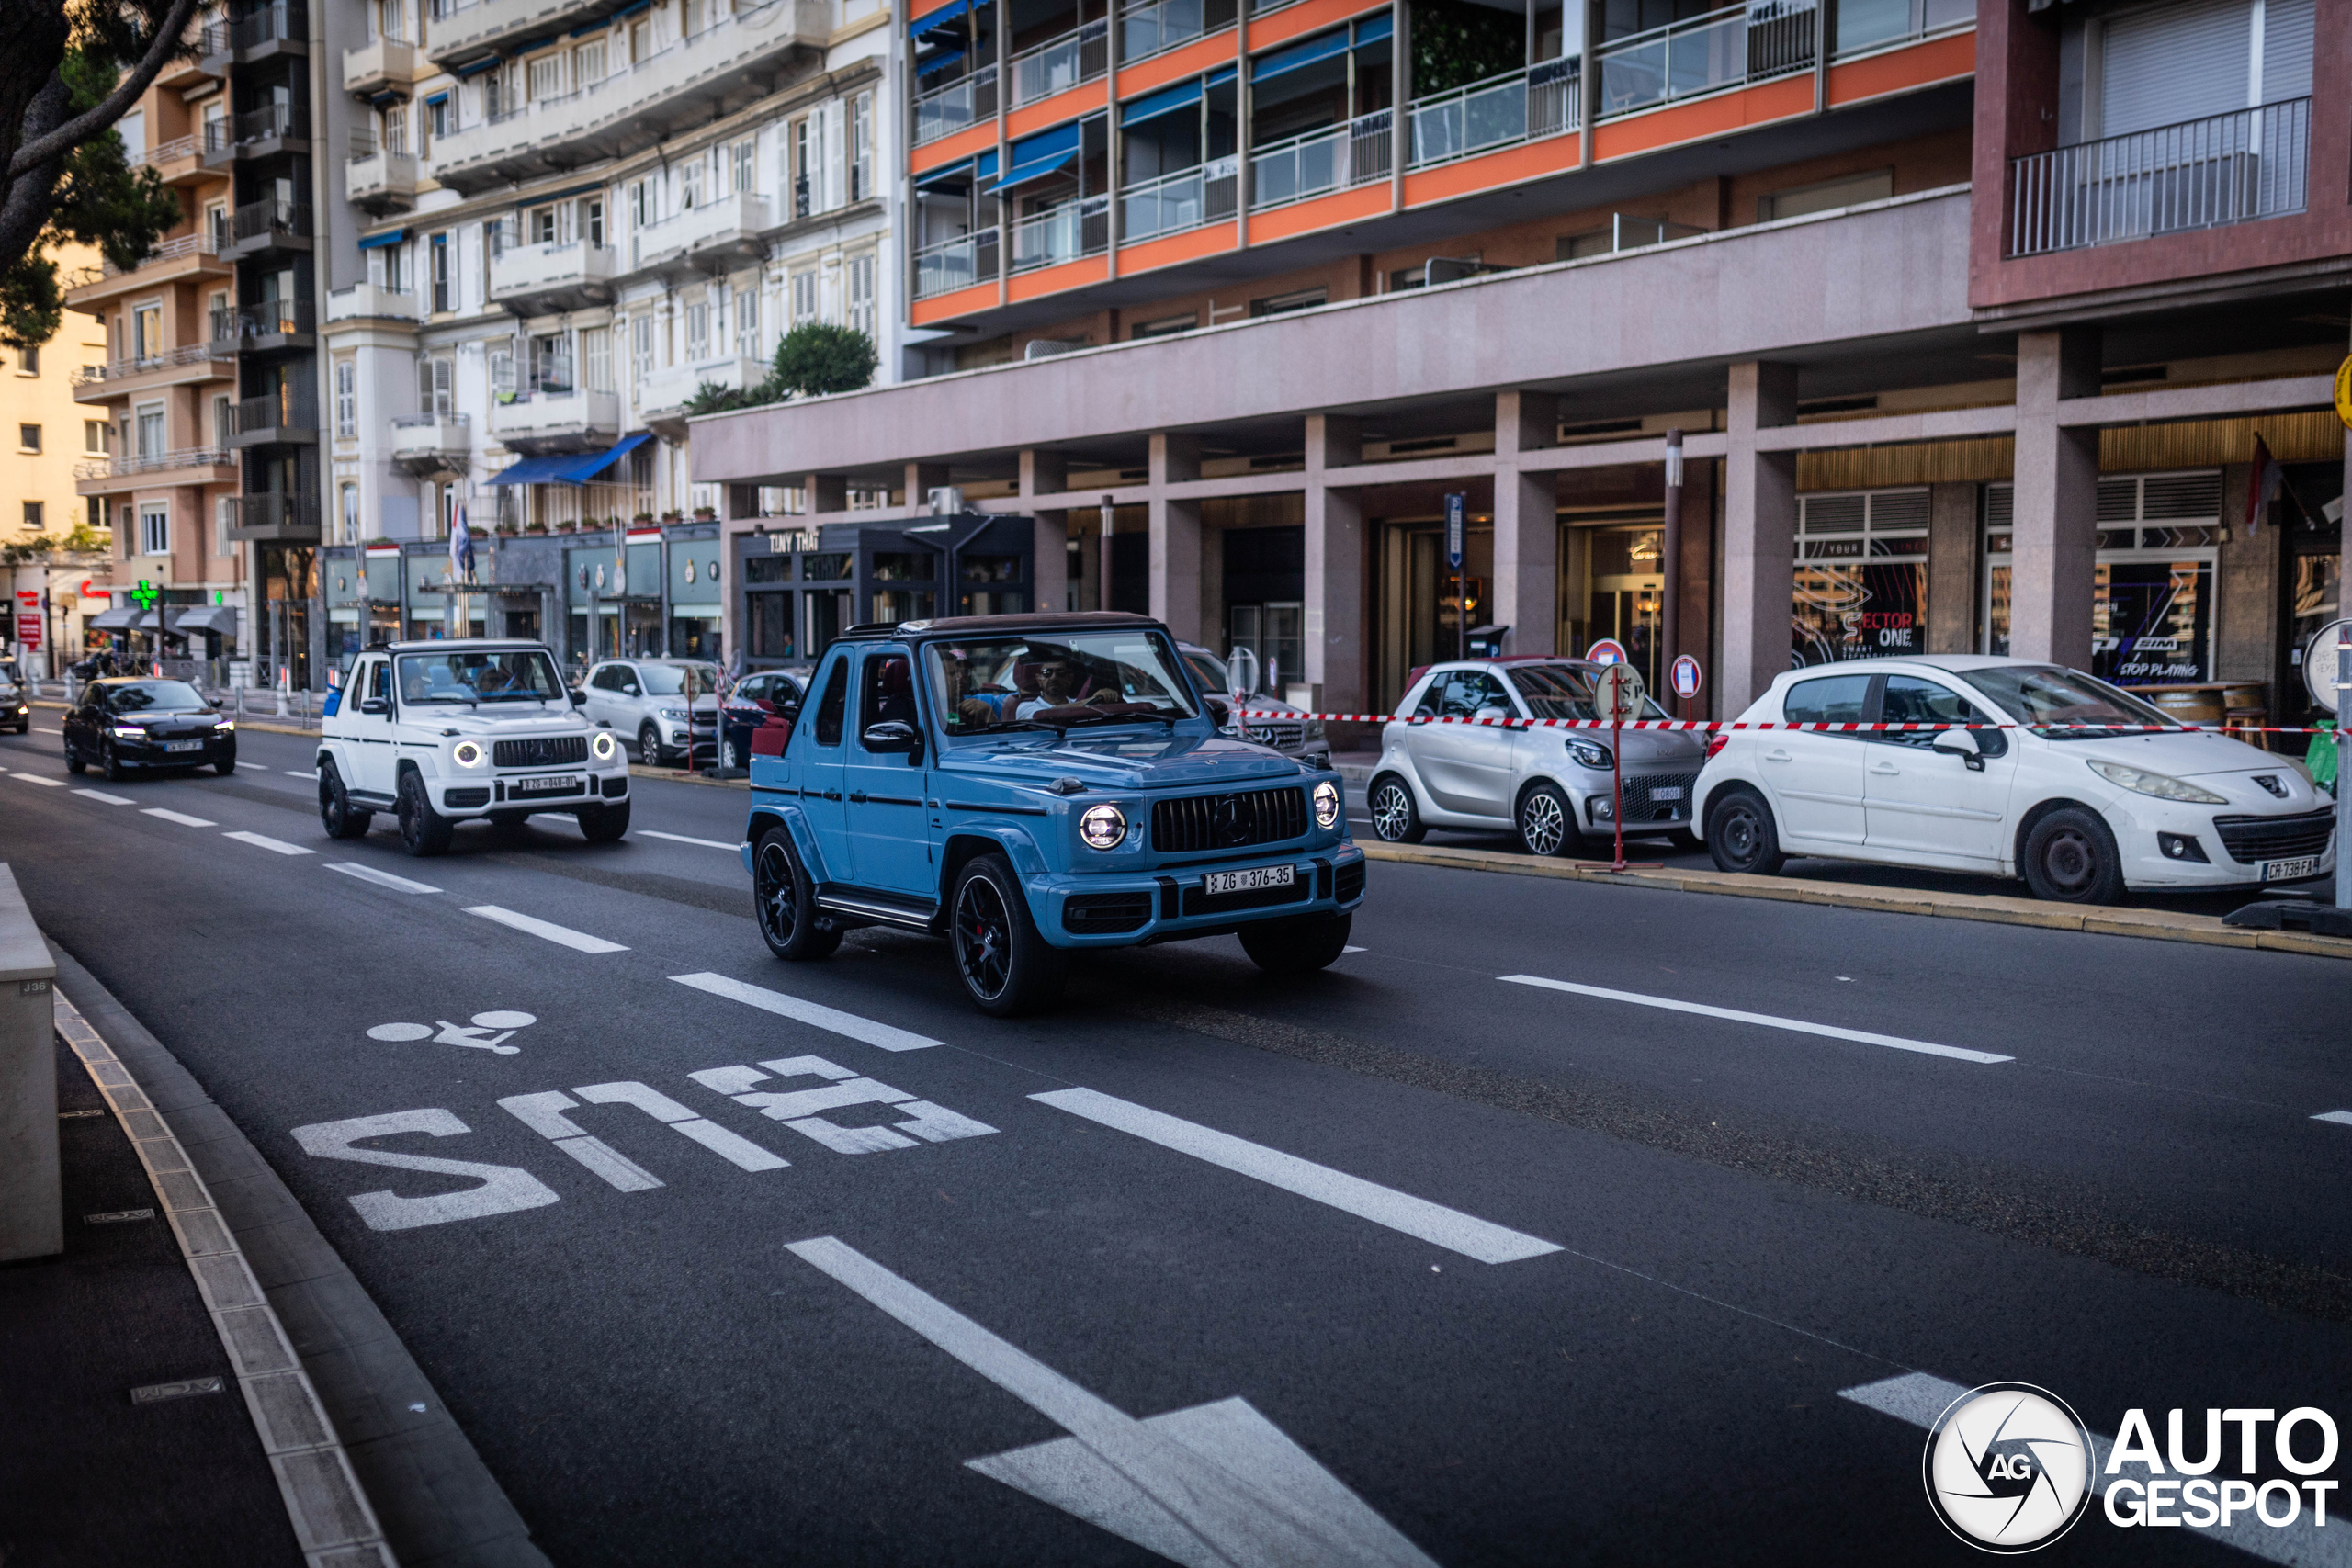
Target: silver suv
645 700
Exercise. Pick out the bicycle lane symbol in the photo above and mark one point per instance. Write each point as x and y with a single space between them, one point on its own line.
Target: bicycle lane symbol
486 1032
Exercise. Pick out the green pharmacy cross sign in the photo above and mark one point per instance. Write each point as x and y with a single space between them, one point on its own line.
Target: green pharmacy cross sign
147 593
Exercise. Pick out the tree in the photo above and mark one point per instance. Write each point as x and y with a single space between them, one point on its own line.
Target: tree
1455 44
815 358
71 68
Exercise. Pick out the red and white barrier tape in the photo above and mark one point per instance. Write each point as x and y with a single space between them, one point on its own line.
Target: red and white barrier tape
1721 723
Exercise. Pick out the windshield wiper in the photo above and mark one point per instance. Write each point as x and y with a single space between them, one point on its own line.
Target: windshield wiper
1168 719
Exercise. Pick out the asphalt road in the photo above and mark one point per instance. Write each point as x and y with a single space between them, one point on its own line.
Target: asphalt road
1504 1271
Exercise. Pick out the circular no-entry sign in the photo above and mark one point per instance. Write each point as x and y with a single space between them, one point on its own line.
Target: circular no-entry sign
1608 650
1684 676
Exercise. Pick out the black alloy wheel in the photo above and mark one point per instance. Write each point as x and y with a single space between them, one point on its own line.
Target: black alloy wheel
74 763
1395 819
336 813
785 904
424 831
1546 822
1006 966
2070 858
111 765
1741 835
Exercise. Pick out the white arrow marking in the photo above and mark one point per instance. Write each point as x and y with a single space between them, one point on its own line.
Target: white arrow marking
1214 1486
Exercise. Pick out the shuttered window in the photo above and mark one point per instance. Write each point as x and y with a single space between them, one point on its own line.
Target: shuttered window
2287 50
2176 62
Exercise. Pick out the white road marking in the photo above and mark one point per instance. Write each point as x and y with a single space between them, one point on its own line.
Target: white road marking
1215 1485
44 729
380 878
797 1110
1354 950
499 1188
1859 1037
544 1113
2343 1116
880 1035
260 841
36 778
1921 1398
682 838
740 1151
104 798
181 817
1432 1222
256 767
301 773
562 936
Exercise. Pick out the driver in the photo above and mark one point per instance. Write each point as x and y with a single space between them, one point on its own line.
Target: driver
1058 678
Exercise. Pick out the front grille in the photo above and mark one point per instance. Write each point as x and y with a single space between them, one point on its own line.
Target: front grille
1350 882
1105 914
1198 902
459 799
1228 821
2252 839
1640 808
547 752
1275 735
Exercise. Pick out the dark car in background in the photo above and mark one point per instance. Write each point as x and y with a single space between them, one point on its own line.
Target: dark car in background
770 694
14 709
132 722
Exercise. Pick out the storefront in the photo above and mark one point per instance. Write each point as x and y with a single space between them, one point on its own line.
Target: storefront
801 588
1861 576
696 608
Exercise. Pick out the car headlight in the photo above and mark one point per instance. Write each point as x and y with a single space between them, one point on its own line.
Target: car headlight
224 726
2140 782
129 732
673 713
467 754
1589 753
1327 804
1102 826
1311 730
604 745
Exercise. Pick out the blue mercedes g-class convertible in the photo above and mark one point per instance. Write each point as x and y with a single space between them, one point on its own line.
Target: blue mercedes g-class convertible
1028 786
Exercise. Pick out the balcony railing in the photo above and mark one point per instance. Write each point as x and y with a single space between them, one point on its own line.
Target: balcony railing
164 152
1523 106
1146 30
1186 199
121 369
264 23
155 463
956 264
1062 63
270 318
255 219
278 508
286 408
1073 230
2229 168
432 421
171 250
962 103
1351 154
257 125
1749 42
1864 25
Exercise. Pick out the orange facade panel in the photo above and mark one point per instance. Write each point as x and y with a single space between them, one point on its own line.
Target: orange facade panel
1717 116
1322 212
1170 249
1297 21
980 138
1490 170
1082 99
1900 69
947 307
1054 280
1194 58
918 9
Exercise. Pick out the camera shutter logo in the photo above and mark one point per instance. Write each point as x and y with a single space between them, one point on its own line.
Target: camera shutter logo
2008 1467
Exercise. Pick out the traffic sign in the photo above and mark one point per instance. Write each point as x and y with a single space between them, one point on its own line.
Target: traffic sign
1453 509
2343 392
1684 677
1617 694
2319 663
1608 650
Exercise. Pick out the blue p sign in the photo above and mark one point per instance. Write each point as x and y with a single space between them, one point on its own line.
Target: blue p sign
1454 504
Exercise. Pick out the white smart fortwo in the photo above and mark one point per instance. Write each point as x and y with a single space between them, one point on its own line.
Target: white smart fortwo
2078 799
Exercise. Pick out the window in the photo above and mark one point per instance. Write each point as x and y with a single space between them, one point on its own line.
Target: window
33 516
591 221
28 438
747 163
436 391
155 527
640 40
149 427
29 361
588 63
860 147
698 331
216 224
1876 184
690 184
547 76
1828 699
346 397
797 168
1461 693
147 332
1165 326
396 130
886 690
438 247
97 437
1281 304
596 355
443 113
860 294
804 297
349 515
1910 700
224 523
224 420
831 707
746 323
543 231
1860 576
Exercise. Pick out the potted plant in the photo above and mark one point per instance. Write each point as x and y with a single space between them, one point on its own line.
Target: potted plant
706 514
535 527
640 517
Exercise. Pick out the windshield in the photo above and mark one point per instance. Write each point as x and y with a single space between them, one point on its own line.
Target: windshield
670 680
2044 696
984 683
157 697
1210 672
8 676
497 675
1562 690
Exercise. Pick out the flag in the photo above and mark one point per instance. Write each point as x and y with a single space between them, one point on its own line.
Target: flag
461 545
2262 485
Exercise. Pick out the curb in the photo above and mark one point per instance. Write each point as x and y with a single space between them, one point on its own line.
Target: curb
436 1502
2156 924
670 775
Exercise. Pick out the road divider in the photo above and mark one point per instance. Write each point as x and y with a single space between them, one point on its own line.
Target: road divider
1767 1021
562 936
881 1036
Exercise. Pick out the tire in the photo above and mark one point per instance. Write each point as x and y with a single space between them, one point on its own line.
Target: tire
424 831
336 813
1006 966
2070 858
1547 823
1395 819
1742 835
1296 947
111 765
226 766
648 746
784 903
74 763
604 824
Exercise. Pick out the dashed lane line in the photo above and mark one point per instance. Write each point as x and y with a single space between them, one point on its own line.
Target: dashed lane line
1418 1217
36 778
257 767
263 841
181 817
682 838
44 729
301 772
562 936
105 799
2343 1116
380 878
1735 1015
882 1036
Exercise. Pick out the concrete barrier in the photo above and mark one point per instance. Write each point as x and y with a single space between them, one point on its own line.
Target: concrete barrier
32 1214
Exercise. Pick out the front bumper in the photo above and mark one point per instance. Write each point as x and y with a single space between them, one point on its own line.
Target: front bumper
456 796
210 751
1130 908
2142 828
1653 801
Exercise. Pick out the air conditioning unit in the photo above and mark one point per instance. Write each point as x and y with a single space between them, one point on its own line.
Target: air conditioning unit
948 501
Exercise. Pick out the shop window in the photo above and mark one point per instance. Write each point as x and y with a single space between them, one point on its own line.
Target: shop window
1860 576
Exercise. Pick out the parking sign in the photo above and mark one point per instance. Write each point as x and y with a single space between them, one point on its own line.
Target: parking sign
1453 508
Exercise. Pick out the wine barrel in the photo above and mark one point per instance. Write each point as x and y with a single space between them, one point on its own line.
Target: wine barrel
2190 706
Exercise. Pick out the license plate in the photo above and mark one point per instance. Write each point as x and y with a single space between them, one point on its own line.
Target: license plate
183 745
2290 869
1219 882
1671 792
566 784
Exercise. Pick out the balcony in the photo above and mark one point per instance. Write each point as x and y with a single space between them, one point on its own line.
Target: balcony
1079 228
273 131
1147 29
958 106
555 420
267 325
267 32
2200 174
179 161
184 258
185 466
386 65
260 227
1713 54
1521 105
288 414
476 29
1343 155
175 366
275 516
662 395
703 237
379 181
1058 64
531 280
430 444
371 302
1866 26
956 264
1187 199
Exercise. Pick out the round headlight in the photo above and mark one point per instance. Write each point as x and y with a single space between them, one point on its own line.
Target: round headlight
467 754
1102 826
1327 804
603 746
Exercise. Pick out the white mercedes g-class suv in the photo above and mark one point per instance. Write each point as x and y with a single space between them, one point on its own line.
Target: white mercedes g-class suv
470 728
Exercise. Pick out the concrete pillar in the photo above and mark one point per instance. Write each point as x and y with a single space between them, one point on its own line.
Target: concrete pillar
1176 536
1953 543
1044 474
1336 648
1526 595
922 479
2055 545
1760 533
2246 588
827 492
1695 578
32 1213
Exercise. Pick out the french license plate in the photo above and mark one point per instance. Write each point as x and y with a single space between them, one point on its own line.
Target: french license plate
183 745
2290 869
1219 882
1670 792
561 784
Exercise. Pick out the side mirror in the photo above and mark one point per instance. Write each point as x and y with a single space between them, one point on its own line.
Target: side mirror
1960 743
1487 714
376 706
628 689
579 699
890 734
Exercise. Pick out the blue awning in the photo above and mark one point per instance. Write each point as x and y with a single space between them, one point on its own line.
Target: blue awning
573 468
980 168
1035 157
440 97
377 241
1372 30
939 62
1298 55
1183 95
477 68
932 20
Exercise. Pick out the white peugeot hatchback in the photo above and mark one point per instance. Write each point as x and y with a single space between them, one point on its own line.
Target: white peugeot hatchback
2075 798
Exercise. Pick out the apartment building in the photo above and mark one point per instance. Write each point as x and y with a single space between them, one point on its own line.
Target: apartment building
565 221
1971 316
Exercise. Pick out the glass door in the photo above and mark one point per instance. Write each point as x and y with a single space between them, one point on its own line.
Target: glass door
1627 591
